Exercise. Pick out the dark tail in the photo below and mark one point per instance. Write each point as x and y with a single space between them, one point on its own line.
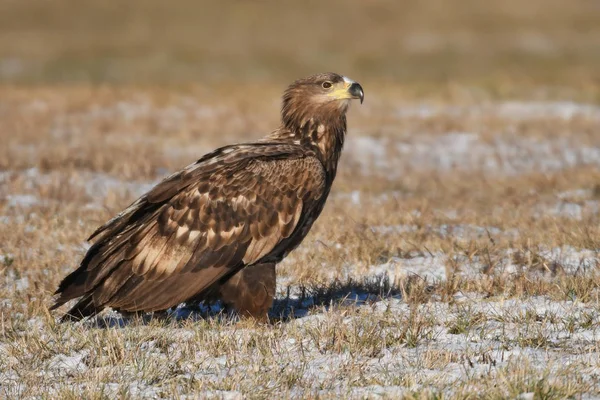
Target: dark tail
85 307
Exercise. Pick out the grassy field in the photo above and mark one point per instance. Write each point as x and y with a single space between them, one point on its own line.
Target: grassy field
457 256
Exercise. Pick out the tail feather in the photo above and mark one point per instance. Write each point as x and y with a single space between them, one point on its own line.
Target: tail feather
84 308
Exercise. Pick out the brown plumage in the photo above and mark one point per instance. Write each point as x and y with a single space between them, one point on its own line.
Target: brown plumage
219 226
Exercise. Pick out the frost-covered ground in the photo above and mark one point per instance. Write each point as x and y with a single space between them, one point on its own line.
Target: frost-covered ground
458 254
499 151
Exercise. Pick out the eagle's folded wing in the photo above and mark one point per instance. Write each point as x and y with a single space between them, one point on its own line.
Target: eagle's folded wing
229 209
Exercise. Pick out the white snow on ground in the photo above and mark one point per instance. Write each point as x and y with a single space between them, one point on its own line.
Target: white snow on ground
22 200
517 110
69 363
558 109
170 117
507 154
430 267
572 210
95 185
369 152
433 267
494 342
574 204
496 339
572 260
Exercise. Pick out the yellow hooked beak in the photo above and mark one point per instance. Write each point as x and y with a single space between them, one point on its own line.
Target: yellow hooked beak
348 89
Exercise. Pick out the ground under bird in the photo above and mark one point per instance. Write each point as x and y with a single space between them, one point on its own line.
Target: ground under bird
217 228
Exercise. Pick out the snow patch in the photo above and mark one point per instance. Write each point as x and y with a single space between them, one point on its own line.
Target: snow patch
431 267
517 110
69 363
22 200
94 184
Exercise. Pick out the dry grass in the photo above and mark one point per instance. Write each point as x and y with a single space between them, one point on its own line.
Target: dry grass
457 256
492 272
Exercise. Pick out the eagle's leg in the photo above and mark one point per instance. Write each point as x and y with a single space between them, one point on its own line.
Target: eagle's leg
251 291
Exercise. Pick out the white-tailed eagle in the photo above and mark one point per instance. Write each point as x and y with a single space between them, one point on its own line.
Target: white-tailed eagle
217 228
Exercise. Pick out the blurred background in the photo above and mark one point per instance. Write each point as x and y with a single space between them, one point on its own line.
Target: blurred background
422 42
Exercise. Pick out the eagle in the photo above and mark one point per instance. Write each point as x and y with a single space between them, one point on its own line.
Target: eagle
217 228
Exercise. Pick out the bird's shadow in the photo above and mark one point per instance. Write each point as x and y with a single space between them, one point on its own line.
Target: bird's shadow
303 300
299 302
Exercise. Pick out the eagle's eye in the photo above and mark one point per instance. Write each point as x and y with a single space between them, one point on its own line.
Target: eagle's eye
326 85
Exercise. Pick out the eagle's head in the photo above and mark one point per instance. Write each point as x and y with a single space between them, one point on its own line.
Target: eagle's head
321 98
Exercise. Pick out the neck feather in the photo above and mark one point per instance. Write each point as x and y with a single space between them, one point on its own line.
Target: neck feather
323 131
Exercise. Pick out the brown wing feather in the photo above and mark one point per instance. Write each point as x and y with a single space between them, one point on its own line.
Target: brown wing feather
226 211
